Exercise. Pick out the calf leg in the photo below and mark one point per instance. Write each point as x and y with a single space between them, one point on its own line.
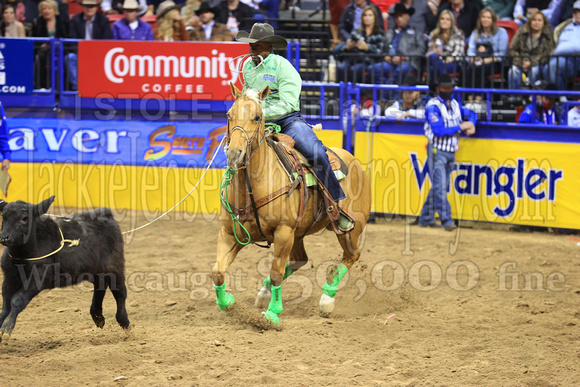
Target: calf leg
119 290
97 305
17 304
7 294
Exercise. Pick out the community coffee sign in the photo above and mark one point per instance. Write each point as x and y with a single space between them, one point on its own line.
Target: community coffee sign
178 70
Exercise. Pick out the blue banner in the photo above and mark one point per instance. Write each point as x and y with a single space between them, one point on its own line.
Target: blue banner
16 66
183 144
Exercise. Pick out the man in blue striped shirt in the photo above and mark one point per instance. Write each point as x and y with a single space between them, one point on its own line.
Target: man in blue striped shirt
445 119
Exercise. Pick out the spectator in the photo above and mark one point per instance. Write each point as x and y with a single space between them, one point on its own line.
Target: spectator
566 8
503 8
90 24
547 112
336 9
368 42
209 30
444 123
188 13
235 15
565 62
524 9
131 27
402 40
32 10
488 44
153 5
169 26
420 18
350 19
446 45
115 7
533 42
410 106
10 27
4 147
466 13
19 9
574 112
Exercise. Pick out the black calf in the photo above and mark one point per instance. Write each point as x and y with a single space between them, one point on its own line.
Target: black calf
45 252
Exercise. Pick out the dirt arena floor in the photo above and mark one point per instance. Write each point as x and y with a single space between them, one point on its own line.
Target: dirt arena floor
477 307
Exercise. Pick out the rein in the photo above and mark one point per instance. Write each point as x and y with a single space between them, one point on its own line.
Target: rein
73 242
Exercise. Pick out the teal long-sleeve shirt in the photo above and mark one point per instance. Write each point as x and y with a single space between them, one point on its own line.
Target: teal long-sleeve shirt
284 82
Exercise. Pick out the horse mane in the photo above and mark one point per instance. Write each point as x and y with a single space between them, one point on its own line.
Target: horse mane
253 95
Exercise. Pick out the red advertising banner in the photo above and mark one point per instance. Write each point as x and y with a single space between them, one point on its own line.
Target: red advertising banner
178 70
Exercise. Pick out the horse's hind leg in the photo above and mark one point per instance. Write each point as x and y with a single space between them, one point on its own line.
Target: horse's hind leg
227 251
97 304
298 258
351 254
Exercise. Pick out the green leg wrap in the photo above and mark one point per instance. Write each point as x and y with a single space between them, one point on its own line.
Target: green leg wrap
223 299
287 273
330 289
275 307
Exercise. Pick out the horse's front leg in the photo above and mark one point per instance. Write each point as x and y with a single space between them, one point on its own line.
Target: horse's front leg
283 241
227 250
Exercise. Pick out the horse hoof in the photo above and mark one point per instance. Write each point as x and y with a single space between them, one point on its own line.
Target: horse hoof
227 302
272 318
326 305
263 298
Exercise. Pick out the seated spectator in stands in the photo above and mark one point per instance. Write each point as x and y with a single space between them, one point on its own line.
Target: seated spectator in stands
209 30
188 14
466 13
565 62
566 10
546 110
446 46
524 9
503 8
488 44
19 9
402 40
367 42
410 106
533 42
420 17
152 6
50 24
131 27
350 19
87 25
235 15
169 26
9 26
336 8
574 112
32 11
115 7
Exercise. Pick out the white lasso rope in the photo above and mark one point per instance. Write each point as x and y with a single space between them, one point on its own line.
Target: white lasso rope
186 196
244 56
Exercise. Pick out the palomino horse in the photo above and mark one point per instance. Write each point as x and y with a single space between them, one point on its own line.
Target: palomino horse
278 220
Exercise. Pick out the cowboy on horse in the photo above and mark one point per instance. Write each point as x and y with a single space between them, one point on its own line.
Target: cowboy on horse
282 107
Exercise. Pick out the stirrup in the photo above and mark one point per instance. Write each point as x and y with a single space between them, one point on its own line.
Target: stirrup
345 223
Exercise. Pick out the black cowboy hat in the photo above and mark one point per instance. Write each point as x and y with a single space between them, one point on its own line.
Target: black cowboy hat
262 32
409 80
401 8
443 80
204 7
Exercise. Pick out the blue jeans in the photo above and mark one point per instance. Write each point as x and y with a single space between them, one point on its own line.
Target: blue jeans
71 66
560 69
440 166
438 66
515 76
311 147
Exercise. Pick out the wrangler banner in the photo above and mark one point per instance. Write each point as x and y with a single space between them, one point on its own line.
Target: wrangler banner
495 179
178 70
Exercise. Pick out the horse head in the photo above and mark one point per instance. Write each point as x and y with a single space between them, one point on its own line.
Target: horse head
245 124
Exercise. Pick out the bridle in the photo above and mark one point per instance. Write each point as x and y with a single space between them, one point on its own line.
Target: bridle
249 140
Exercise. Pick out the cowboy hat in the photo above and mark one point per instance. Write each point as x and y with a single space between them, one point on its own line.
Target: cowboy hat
165 7
401 8
409 80
262 32
132 5
203 8
90 2
443 80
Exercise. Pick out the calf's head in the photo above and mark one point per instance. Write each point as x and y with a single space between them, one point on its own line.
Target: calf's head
18 220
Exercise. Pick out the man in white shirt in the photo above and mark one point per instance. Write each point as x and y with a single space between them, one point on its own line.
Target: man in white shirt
410 105
573 118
